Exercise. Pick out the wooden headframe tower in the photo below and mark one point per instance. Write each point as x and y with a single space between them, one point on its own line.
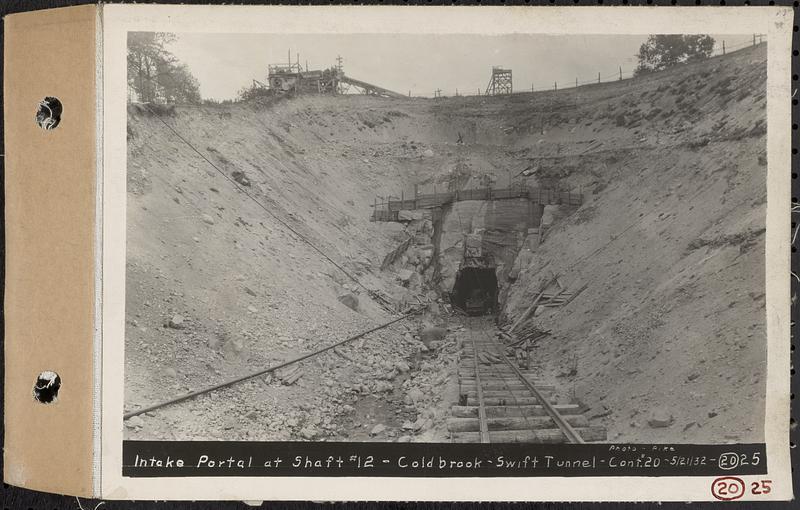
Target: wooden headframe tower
500 83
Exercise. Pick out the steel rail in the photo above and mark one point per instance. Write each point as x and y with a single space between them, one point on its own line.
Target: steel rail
570 433
501 378
484 425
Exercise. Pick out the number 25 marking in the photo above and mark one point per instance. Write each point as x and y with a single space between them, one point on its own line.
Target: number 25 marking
761 487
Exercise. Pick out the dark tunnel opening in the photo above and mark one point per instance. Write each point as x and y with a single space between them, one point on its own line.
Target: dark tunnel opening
475 290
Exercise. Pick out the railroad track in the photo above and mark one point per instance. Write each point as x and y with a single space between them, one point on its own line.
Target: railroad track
501 403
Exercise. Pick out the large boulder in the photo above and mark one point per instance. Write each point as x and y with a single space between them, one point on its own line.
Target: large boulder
176 322
414 395
309 432
431 334
660 418
383 386
349 300
404 274
135 422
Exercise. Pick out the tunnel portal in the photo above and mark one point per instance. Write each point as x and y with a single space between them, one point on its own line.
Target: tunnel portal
475 290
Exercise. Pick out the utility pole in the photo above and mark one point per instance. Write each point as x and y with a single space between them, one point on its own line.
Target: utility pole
576 82
620 73
555 85
723 46
598 77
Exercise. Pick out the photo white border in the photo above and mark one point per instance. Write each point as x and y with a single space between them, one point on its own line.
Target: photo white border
776 22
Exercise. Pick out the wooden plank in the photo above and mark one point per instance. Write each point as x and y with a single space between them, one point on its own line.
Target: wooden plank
504 392
548 436
489 386
530 308
513 423
504 401
520 410
575 294
563 423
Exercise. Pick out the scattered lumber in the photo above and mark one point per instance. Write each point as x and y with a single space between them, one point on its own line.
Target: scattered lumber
563 297
533 305
513 423
492 357
575 294
548 436
343 355
513 410
291 376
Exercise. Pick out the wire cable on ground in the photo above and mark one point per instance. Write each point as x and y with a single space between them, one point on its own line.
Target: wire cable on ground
239 379
381 301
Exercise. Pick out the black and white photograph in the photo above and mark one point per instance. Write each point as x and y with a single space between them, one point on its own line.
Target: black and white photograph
446 238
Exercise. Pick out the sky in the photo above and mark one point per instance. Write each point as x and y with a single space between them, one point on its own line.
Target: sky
419 63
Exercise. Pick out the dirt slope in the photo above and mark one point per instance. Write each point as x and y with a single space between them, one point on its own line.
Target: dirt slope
670 242
247 292
681 154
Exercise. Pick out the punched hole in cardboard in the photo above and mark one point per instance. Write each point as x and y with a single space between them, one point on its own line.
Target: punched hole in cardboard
48 115
46 388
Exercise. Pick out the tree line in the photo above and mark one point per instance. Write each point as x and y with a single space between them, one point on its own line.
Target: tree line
155 74
661 52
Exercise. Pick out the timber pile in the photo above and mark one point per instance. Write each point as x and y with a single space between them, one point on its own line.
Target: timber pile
545 299
291 375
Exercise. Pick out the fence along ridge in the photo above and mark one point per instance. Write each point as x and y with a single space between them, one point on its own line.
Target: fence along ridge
720 49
